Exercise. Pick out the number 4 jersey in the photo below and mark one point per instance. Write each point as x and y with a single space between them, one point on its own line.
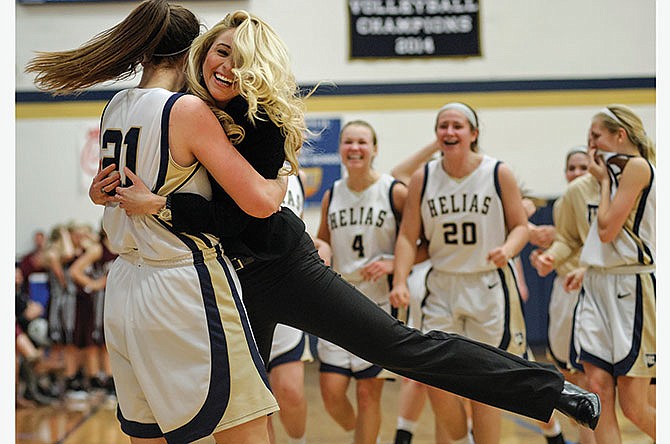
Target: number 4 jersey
463 219
363 228
134 133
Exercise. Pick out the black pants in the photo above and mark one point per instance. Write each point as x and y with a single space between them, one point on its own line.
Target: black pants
300 291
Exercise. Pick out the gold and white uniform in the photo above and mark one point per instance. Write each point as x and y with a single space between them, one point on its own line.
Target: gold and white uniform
572 215
183 356
616 329
463 219
363 228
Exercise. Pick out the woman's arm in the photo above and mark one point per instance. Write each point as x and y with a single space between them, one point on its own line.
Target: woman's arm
515 219
197 134
567 241
195 213
323 248
404 170
323 232
406 243
78 270
613 212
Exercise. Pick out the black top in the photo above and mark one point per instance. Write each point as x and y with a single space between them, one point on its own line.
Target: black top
240 233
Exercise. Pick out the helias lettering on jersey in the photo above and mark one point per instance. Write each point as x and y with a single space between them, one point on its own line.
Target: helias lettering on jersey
592 212
292 200
356 216
470 203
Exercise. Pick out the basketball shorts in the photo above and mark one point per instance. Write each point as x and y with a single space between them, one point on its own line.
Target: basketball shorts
289 345
183 357
484 306
416 284
561 315
616 324
335 359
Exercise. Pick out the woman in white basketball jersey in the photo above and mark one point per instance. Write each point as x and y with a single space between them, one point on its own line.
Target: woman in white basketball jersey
360 215
469 208
184 362
413 395
615 329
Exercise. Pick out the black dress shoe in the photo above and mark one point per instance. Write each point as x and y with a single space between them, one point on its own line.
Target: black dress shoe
580 405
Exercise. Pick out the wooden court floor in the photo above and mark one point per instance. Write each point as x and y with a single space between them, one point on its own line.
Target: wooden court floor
97 423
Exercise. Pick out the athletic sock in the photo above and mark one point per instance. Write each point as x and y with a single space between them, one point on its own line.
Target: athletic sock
406 424
467 439
302 440
554 431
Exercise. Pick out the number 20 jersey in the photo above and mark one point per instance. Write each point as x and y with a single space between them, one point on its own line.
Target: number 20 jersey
134 133
463 219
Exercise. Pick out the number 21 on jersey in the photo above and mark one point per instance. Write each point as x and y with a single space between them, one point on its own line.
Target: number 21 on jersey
115 147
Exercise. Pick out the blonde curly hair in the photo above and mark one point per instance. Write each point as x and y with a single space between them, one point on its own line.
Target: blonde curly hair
264 78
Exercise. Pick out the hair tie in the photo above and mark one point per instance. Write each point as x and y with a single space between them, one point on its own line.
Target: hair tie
172 53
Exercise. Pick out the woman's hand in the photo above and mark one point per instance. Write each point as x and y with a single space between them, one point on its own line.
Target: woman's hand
574 279
542 262
597 166
323 248
541 235
137 199
498 256
106 180
399 296
377 269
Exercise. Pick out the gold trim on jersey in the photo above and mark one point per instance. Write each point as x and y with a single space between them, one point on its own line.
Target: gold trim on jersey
176 177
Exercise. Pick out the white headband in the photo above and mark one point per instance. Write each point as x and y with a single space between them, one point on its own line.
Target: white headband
462 108
609 113
578 149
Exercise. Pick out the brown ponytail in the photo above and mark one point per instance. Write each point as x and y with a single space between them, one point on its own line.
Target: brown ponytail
152 27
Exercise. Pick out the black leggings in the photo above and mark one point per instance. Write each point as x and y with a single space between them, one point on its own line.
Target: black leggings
300 291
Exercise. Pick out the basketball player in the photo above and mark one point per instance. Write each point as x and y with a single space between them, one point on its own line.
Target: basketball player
359 219
283 278
413 395
469 206
615 330
181 351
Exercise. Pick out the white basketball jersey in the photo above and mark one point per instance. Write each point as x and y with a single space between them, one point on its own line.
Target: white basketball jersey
362 225
134 133
463 219
636 242
294 199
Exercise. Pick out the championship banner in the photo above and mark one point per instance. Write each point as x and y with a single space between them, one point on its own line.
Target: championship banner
414 28
320 158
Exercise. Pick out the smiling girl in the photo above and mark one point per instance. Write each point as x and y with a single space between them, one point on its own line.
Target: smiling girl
360 215
617 308
470 209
